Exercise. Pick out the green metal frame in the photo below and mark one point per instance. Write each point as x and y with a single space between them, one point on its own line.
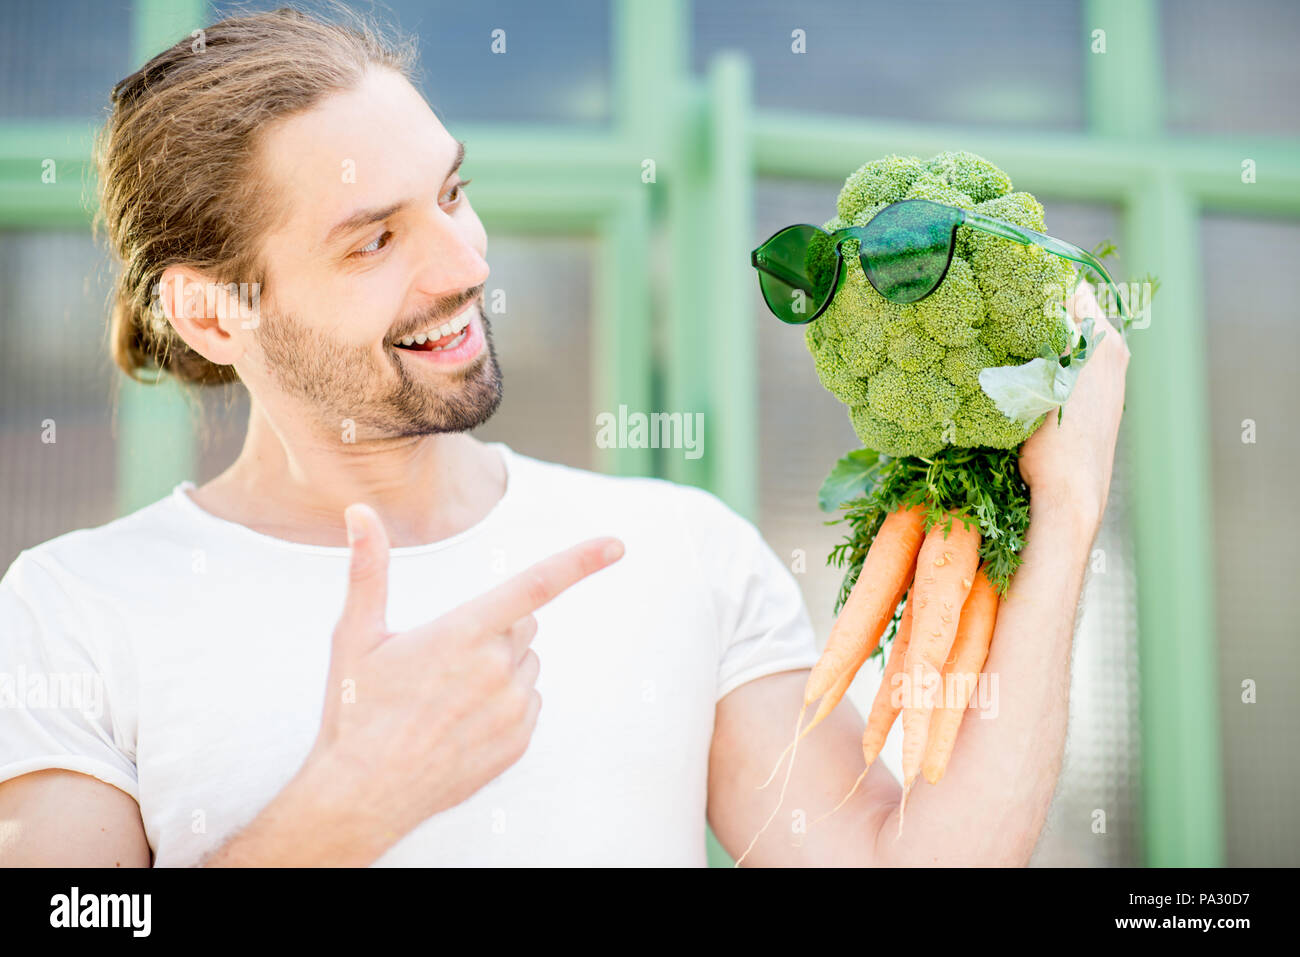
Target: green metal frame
709 145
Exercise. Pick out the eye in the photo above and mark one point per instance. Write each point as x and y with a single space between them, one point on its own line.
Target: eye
459 189
375 245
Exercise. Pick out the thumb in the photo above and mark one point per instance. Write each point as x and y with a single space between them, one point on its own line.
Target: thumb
364 609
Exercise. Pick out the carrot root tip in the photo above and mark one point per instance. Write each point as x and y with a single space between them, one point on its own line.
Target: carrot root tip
902 807
797 725
853 790
781 800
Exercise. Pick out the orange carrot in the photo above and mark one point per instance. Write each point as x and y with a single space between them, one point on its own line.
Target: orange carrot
945 571
970 649
884 710
872 602
836 694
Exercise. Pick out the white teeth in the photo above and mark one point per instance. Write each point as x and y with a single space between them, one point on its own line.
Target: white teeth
437 332
453 344
447 328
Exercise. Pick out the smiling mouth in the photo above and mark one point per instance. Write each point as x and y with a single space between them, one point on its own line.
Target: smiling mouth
448 335
449 341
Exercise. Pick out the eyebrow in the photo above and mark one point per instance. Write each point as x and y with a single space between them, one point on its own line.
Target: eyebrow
363 217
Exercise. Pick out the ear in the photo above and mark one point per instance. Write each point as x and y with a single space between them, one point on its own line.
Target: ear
215 319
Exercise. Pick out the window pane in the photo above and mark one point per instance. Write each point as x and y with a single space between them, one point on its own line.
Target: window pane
61 59
55 384
1253 339
543 344
555 67
1004 62
1231 67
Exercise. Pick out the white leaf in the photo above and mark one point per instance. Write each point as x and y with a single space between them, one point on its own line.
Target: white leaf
1026 391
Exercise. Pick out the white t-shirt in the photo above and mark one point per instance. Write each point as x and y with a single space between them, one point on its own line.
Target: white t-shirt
182 658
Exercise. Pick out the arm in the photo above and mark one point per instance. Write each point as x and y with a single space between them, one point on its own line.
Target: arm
315 821
58 818
752 726
993 800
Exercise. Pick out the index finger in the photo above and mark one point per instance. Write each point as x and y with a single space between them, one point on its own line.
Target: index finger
535 586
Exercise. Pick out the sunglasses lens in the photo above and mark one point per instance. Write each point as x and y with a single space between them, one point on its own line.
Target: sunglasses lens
907 249
796 271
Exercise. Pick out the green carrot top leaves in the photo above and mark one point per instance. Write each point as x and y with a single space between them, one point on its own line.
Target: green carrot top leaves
851 478
981 486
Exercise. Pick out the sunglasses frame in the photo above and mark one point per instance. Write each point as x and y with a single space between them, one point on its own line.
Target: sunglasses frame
987 224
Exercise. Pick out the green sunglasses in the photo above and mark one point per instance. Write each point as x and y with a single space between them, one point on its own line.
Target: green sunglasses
905 251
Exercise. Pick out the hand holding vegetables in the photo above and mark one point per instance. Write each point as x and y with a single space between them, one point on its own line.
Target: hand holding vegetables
1071 463
943 390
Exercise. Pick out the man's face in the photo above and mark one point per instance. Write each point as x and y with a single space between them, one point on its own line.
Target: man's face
380 246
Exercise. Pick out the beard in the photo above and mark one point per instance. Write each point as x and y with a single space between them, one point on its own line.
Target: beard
344 382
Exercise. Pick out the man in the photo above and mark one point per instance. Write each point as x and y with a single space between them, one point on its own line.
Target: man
331 653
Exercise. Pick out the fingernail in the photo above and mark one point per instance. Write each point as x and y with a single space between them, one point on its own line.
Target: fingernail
355 524
612 551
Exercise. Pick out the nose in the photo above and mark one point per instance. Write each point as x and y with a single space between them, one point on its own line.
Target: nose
452 257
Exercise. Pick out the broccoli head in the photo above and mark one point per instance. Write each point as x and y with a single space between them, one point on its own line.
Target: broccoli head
910 373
